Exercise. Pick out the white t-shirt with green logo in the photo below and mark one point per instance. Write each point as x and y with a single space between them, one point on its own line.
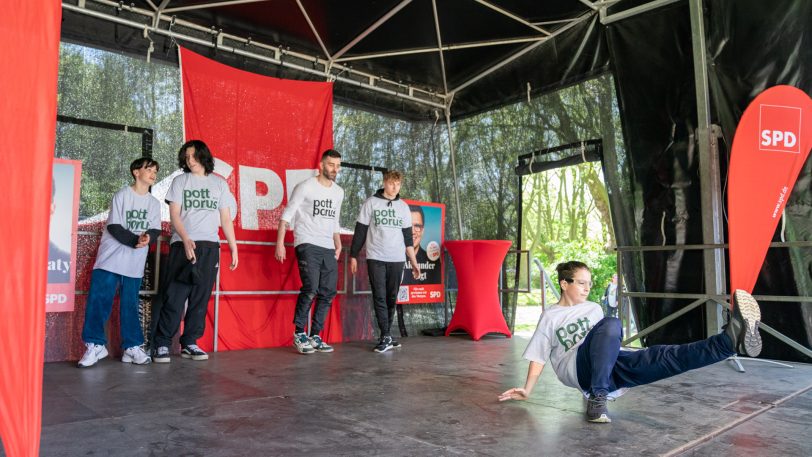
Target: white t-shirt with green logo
313 211
200 199
136 213
386 221
561 329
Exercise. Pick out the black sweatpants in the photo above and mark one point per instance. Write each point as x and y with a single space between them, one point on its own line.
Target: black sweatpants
384 279
181 281
318 269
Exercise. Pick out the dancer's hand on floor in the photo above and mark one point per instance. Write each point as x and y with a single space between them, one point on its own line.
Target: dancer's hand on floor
516 393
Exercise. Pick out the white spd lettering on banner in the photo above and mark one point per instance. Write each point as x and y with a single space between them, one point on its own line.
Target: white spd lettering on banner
777 138
261 189
55 298
779 128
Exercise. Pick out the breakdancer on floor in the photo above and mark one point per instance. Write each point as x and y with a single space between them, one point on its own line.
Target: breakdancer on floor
584 347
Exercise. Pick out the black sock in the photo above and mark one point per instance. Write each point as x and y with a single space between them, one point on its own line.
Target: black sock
313 333
299 330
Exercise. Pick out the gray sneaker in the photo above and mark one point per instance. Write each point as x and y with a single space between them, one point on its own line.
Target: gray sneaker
136 355
161 355
596 410
93 354
319 345
743 325
302 343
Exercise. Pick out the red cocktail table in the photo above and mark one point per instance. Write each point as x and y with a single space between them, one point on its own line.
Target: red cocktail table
477 263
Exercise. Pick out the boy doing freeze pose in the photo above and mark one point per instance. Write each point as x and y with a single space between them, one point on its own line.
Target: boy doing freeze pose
133 224
584 350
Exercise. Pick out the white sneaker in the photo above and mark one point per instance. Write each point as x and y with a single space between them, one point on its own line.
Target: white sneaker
136 355
302 343
93 354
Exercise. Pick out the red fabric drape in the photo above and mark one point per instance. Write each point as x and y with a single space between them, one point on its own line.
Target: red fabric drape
269 132
771 145
29 37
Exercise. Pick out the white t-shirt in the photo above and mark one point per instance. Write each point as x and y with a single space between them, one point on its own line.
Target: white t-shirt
561 329
386 221
314 211
200 199
136 213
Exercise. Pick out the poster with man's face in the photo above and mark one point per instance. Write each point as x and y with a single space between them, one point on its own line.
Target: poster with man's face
60 290
428 222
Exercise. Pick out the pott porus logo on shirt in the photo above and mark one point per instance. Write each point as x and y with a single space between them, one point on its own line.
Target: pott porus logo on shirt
387 218
198 199
137 220
569 334
324 208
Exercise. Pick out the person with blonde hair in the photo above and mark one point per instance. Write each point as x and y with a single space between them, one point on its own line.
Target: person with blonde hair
384 227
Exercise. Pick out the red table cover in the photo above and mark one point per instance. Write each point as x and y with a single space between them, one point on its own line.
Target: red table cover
477 263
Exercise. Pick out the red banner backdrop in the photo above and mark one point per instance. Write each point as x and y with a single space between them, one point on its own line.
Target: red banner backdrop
267 134
771 145
29 37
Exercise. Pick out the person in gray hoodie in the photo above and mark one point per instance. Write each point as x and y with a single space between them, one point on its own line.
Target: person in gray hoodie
384 227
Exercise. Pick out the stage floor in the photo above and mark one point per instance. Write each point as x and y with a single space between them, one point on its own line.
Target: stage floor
434 396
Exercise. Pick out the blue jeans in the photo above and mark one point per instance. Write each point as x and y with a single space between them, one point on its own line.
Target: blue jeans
103 286
603 367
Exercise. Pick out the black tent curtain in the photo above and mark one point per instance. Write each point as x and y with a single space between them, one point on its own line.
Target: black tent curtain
751 45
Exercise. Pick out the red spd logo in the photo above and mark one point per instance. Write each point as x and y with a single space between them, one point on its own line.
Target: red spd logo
779 128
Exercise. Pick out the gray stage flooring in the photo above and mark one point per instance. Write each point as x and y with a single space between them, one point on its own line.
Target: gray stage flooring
435 396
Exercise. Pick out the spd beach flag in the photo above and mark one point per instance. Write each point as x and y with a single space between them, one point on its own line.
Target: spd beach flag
771 145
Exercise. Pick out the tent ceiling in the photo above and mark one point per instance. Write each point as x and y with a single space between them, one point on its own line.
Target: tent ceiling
402 57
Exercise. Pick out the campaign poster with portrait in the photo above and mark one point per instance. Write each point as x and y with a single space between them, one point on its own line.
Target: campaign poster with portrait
61 288
428 234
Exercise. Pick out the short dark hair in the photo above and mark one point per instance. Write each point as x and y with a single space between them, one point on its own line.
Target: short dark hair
143 162
202 155
566 270
330 153
418 209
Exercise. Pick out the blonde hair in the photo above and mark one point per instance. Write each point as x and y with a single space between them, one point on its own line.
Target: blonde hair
392 175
